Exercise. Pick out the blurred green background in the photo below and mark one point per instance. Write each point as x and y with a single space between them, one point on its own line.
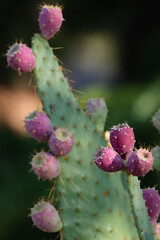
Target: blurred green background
112 49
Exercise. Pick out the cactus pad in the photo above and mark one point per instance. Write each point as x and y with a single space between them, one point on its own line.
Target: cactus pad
94 205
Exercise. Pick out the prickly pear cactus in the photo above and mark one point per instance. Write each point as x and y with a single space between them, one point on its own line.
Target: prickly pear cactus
93 205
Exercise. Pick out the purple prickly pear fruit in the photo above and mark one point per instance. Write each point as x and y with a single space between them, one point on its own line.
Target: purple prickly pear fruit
50 21
20 58
140 162
156 120
157 231
45 217
61 142
38 126
108 160
45 165
122 139
152 202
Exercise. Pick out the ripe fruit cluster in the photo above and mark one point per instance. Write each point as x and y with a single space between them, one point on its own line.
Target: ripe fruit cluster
121 155
47 166
39 127
139 162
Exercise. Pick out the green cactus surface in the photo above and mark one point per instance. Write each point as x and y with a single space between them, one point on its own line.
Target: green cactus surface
99 112
93 205
156 154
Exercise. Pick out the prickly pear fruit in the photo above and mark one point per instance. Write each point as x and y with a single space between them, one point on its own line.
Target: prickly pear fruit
50 20
108 160
156 120
38 126
140 162
122 139
45 217
152 202
45 165
20 58
61 142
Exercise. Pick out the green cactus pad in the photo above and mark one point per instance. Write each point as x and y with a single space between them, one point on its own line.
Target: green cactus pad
156 154
94 205
142 221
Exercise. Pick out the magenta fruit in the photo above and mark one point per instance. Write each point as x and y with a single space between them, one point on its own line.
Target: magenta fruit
61 142
140 162
21 58
122 139
45 165
45 217
109 160
152 202
156 120
38 126
50 20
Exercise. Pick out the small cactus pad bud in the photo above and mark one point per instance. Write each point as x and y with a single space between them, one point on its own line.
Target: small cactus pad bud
38 126
156 154
50 20
140 162
45 165
156 120
96 106
61 142
97 111
122 139
20 58
157 231
45 217
108 160
152 202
